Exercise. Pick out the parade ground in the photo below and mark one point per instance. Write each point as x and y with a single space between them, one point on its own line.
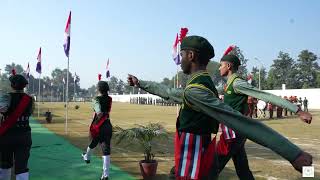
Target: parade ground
56 153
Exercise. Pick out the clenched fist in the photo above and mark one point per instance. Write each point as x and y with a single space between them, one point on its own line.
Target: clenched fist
133 81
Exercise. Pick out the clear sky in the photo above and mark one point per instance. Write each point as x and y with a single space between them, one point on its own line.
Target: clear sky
138 35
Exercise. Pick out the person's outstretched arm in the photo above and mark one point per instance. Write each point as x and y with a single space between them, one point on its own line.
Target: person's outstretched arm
158 89
203 100
243 87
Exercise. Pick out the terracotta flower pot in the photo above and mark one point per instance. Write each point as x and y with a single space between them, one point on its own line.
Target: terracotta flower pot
148 169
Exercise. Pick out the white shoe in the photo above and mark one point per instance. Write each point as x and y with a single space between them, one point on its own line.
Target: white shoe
85 158
22 176
105 167
87 155
5 174
104 178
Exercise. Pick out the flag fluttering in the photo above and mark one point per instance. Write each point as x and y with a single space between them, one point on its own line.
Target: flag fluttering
76 78
175 51
67 33
183 33
229 49
108 71
38 68
28 71
178 40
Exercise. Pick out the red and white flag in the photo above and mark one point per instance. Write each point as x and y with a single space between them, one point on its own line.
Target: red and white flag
67 33
28 71
108 71
38 68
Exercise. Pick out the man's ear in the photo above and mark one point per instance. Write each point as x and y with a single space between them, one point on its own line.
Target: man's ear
229 65
191 55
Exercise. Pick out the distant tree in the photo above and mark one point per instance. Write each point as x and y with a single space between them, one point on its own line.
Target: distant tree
213 69
318 79
307 67
283 71
243 67
8 68
263 77
128 89
92 91
113 84
120 87
167 82
182 79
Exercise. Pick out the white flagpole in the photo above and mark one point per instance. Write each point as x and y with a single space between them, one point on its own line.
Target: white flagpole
51 92
67 99
39 96
177 88
178 77
74 89
63 92
174 81
33 86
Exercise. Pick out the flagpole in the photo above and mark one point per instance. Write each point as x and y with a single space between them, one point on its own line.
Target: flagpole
33 86
39 96
67 99
29 91
178 78
63 92
51 92
174 81
177 88
74 90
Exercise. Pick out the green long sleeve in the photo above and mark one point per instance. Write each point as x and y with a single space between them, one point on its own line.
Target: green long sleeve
96 106
4 102
252 129
244 87
163 91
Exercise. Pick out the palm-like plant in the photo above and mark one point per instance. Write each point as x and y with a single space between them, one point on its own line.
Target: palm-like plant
144 135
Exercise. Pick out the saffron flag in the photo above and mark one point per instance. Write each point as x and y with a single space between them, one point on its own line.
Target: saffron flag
175 52
108 71
38 68
67 32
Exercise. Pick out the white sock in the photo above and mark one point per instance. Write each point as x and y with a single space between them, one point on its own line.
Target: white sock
5 174
105 166
87 156
22 176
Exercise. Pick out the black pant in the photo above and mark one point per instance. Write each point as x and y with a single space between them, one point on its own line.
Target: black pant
104 138
271 114
15 146
239 156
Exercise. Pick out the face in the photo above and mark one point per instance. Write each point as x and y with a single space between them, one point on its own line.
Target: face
186 61
224 68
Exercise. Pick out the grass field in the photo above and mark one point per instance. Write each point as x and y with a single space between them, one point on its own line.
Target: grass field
264 163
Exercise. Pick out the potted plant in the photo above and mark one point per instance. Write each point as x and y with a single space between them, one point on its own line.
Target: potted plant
143 135
48 116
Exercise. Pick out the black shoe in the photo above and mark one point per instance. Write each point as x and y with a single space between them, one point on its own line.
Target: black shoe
172 174
87 161
105 178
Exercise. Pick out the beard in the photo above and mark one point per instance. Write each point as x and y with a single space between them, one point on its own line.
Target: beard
186 67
